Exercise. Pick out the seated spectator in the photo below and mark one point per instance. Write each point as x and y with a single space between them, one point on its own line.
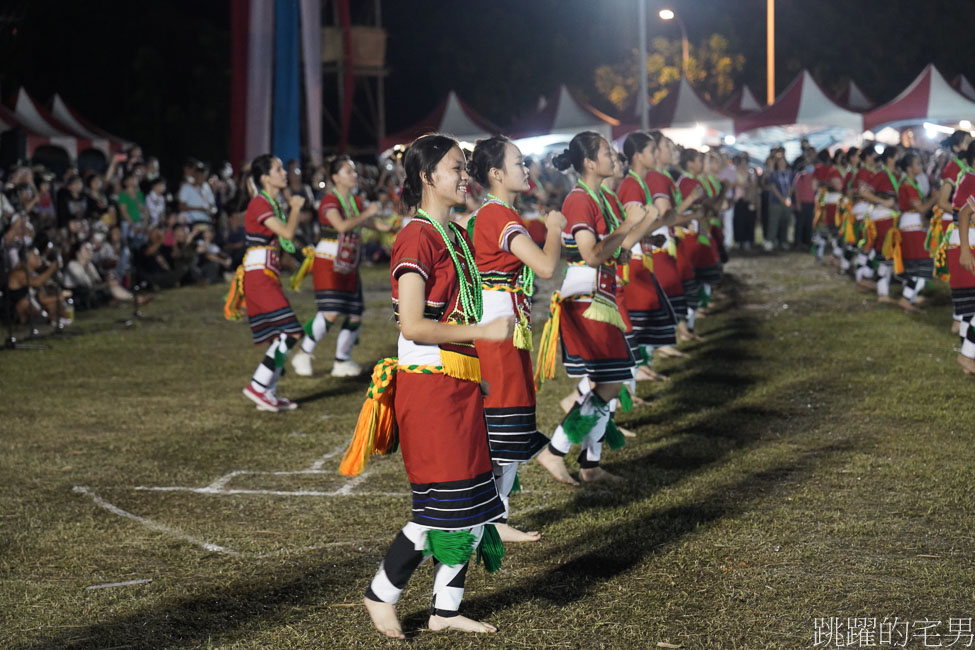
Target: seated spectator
99 207
27 274
89 287
211 262
156 201
71 203
196 199
132 207
232 239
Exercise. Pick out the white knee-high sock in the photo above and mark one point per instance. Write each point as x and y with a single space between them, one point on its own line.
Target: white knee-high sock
315 333
405 554
448 582
883 279
968 341
263 378
346 339
505 480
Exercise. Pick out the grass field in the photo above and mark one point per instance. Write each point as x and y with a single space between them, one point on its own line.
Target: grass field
812 458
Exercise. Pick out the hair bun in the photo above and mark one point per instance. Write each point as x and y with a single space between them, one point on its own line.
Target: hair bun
561 161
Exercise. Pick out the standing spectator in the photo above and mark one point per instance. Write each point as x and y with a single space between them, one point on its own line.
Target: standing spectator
727 173
746 197
779 185
805 192
71 204
195 197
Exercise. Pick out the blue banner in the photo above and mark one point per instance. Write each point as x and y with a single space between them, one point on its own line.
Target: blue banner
286 128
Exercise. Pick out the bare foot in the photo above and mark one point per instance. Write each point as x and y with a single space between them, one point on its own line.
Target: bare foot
955 326
437 623
684 336
556 467
669 351
639 401
920 300
967 365
598 475
644 373
866 286
906 305
886 300
509 534
626 432
383 617
569 401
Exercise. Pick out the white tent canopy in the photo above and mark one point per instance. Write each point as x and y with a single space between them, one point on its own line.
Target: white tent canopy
929 98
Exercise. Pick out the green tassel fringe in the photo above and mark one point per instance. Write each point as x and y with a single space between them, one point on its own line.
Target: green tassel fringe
626 402
646 358
491 549
307 327
577 426
614 438
703 297
516 486
450 547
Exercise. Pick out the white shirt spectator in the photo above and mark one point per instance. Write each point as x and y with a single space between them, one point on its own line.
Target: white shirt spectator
195 198
156 205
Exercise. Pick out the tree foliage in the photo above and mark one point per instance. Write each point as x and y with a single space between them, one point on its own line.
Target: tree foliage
712 68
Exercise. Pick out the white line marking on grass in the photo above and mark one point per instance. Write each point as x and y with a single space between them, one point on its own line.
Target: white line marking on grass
153 525
127 583
343 491
318 464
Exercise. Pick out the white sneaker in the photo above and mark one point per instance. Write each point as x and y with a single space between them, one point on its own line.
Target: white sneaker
347 368
301 362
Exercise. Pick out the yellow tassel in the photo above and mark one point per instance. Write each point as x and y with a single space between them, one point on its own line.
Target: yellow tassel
523 335
648 262
892 249
375 430
871 236
233 306
305 267
820 207
460 366
848 222
545 363
604 312
672 248
625 273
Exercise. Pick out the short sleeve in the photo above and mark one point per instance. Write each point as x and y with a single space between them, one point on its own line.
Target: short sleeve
258 211
631 192
965 194
329 202
950 172
414 251
659 186
580 213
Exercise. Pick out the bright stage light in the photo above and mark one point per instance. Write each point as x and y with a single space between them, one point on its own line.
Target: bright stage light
666 14
965 125
729 140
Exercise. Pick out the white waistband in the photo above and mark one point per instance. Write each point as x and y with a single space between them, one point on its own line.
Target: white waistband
879 214
833 197
259 258
911 221
327 248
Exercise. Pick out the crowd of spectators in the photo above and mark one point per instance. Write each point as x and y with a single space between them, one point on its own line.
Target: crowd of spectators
85 239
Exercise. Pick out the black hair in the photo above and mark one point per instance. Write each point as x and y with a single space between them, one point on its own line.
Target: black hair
868 152
852 151
823 156
954 139
488 154
422 157
687 156
334 165
261 166
583 146
657 136
635 143
907 160
968 154
889 153
838 157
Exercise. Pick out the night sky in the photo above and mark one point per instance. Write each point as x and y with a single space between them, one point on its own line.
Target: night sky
158 72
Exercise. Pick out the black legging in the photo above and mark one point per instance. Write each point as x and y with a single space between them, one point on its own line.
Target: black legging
744 223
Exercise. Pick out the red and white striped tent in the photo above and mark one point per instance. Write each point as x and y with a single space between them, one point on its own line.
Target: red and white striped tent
964 86
681 108
69 117
802 104
562 114
451 117
741 102
929 98
855 99
36 121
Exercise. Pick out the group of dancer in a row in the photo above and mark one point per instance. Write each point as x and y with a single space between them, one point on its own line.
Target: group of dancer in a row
883 226
643 255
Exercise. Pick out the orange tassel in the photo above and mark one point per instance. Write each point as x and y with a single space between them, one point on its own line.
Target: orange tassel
545 363
234 305
375 430
892 249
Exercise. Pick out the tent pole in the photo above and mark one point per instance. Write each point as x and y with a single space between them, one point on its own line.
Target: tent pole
644 90
770 51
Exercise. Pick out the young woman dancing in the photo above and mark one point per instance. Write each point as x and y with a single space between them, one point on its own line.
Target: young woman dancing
437 402
508 261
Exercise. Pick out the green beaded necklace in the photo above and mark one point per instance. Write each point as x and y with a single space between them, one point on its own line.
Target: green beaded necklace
286 244
471 299
527 278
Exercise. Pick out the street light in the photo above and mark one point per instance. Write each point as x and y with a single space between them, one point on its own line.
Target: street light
668 14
